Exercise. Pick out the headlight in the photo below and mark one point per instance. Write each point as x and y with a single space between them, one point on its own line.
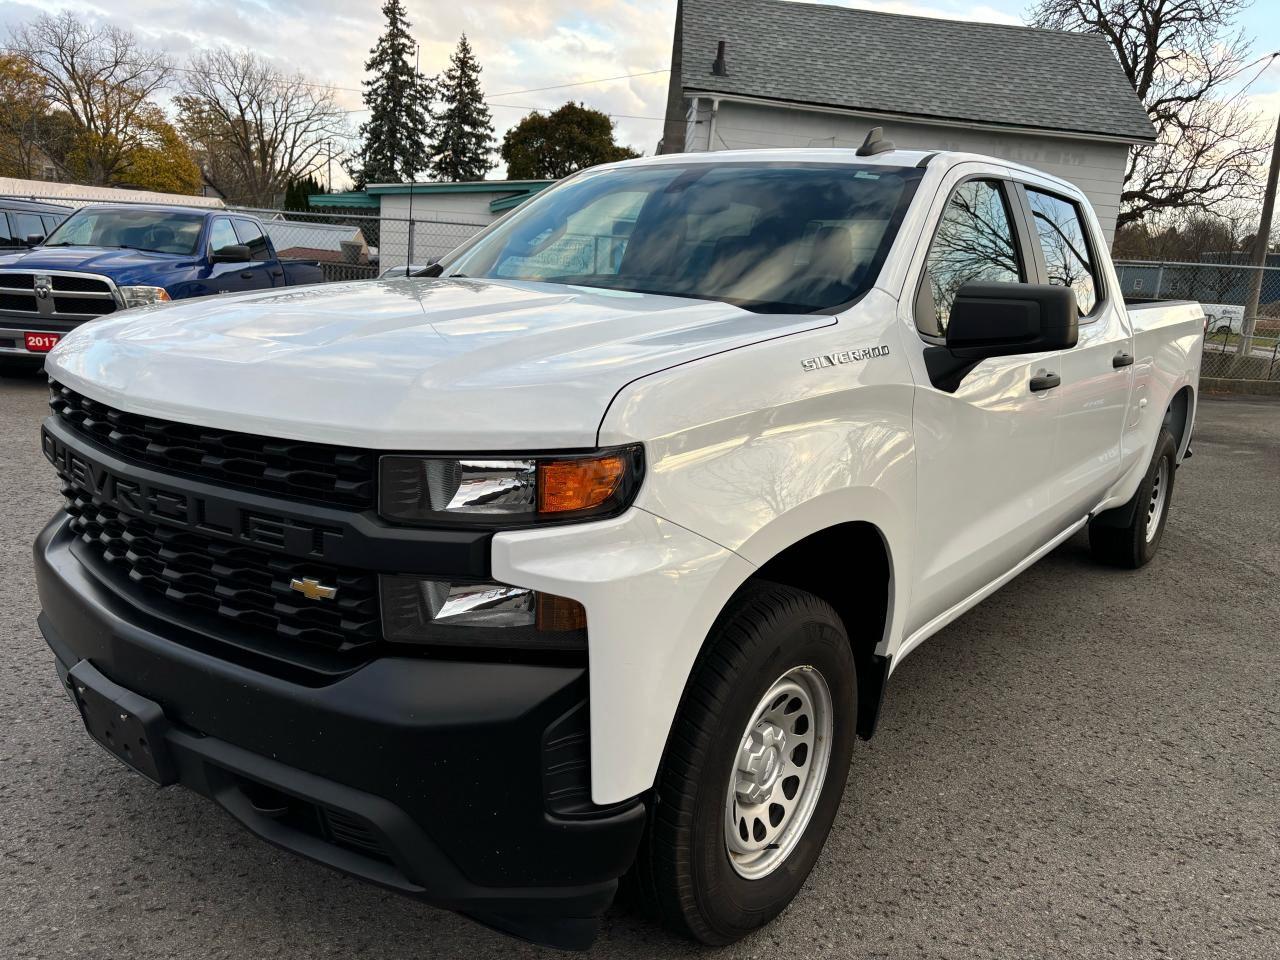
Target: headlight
143 296
439 613
509 492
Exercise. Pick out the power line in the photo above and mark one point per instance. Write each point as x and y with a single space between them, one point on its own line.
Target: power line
583 83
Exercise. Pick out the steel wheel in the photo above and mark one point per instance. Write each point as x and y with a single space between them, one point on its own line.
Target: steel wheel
1155 506
778 774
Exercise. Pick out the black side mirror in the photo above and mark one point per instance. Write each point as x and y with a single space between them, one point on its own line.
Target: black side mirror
35 239
231 253
1001 320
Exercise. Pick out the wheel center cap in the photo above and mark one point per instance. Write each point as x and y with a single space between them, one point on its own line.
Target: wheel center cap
760 762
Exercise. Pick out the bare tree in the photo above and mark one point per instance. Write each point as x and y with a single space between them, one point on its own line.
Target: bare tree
1182 57
100 77
253 128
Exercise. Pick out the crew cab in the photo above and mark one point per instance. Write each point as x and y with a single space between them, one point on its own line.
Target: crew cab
594 551
102 259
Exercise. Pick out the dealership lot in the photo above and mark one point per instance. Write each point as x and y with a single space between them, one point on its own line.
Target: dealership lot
1086 765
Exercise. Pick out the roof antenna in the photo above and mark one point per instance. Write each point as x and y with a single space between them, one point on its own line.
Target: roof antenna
875 143
720 68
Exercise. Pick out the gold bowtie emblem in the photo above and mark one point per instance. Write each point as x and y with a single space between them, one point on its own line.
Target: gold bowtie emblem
313 589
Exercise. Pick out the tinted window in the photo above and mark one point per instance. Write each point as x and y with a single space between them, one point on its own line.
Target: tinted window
974 243
7 238
26 224
1066 251
251 236
221 235
771 238
157 231
50 223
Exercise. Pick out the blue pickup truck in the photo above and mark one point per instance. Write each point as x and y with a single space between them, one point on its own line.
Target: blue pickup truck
107 258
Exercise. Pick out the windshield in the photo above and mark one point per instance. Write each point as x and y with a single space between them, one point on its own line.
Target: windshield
773 238
157 231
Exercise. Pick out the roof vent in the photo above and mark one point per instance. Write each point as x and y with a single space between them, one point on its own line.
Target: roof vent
720 68
875 143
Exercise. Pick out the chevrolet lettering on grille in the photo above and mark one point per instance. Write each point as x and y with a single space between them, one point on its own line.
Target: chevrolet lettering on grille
207 515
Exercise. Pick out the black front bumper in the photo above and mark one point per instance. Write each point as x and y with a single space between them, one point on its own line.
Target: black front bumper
426 776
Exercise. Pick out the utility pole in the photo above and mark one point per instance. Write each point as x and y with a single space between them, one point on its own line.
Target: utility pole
1261 244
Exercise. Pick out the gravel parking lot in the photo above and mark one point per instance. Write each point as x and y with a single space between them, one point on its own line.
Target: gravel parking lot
1086 765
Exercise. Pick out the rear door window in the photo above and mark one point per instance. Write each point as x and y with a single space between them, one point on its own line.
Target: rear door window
1068 260
252 237
7 236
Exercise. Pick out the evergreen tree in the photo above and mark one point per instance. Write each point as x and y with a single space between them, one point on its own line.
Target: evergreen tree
462 131
297 194
394 140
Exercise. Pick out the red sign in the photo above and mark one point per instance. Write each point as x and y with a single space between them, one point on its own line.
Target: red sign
42 342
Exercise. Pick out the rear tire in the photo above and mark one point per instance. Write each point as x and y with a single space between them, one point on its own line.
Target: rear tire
755 767
1129 536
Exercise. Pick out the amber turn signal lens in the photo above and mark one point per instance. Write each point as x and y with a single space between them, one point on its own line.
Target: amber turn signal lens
565 485
559 614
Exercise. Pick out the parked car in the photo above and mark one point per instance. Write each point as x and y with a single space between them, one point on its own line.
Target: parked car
1223 318
595 552
25 223
102 259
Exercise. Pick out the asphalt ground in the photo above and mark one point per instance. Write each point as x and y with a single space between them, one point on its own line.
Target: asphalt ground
1083 766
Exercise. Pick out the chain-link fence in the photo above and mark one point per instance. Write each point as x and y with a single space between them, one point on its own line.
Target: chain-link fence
1233 349
356 245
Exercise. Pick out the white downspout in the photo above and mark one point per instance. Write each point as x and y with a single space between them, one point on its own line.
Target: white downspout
711 129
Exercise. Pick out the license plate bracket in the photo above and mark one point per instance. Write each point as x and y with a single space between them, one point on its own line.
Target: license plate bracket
129 727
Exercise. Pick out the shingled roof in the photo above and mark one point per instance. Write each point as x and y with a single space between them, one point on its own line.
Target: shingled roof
812 54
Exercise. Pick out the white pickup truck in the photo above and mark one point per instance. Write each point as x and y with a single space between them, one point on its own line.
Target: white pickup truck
593 552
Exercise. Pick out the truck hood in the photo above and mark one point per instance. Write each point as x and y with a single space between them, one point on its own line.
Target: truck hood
411 364
122 266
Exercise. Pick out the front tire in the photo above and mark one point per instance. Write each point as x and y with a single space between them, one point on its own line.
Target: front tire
1129 536
755 767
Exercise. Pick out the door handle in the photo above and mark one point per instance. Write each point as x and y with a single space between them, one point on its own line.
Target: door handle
1045 381
246 275
277 273
1122 359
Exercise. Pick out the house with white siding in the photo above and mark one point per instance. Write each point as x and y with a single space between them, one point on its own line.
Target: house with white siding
773 73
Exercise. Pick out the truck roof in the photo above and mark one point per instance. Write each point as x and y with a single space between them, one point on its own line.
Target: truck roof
849 155
159 208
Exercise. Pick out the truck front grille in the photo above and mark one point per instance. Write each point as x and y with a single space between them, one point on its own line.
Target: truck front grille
248 587
56 296
309 471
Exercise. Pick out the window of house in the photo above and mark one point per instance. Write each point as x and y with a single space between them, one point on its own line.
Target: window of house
975 243
221 235
252 237
1062 236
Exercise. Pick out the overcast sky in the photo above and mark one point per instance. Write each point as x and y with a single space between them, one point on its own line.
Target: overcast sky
522 44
